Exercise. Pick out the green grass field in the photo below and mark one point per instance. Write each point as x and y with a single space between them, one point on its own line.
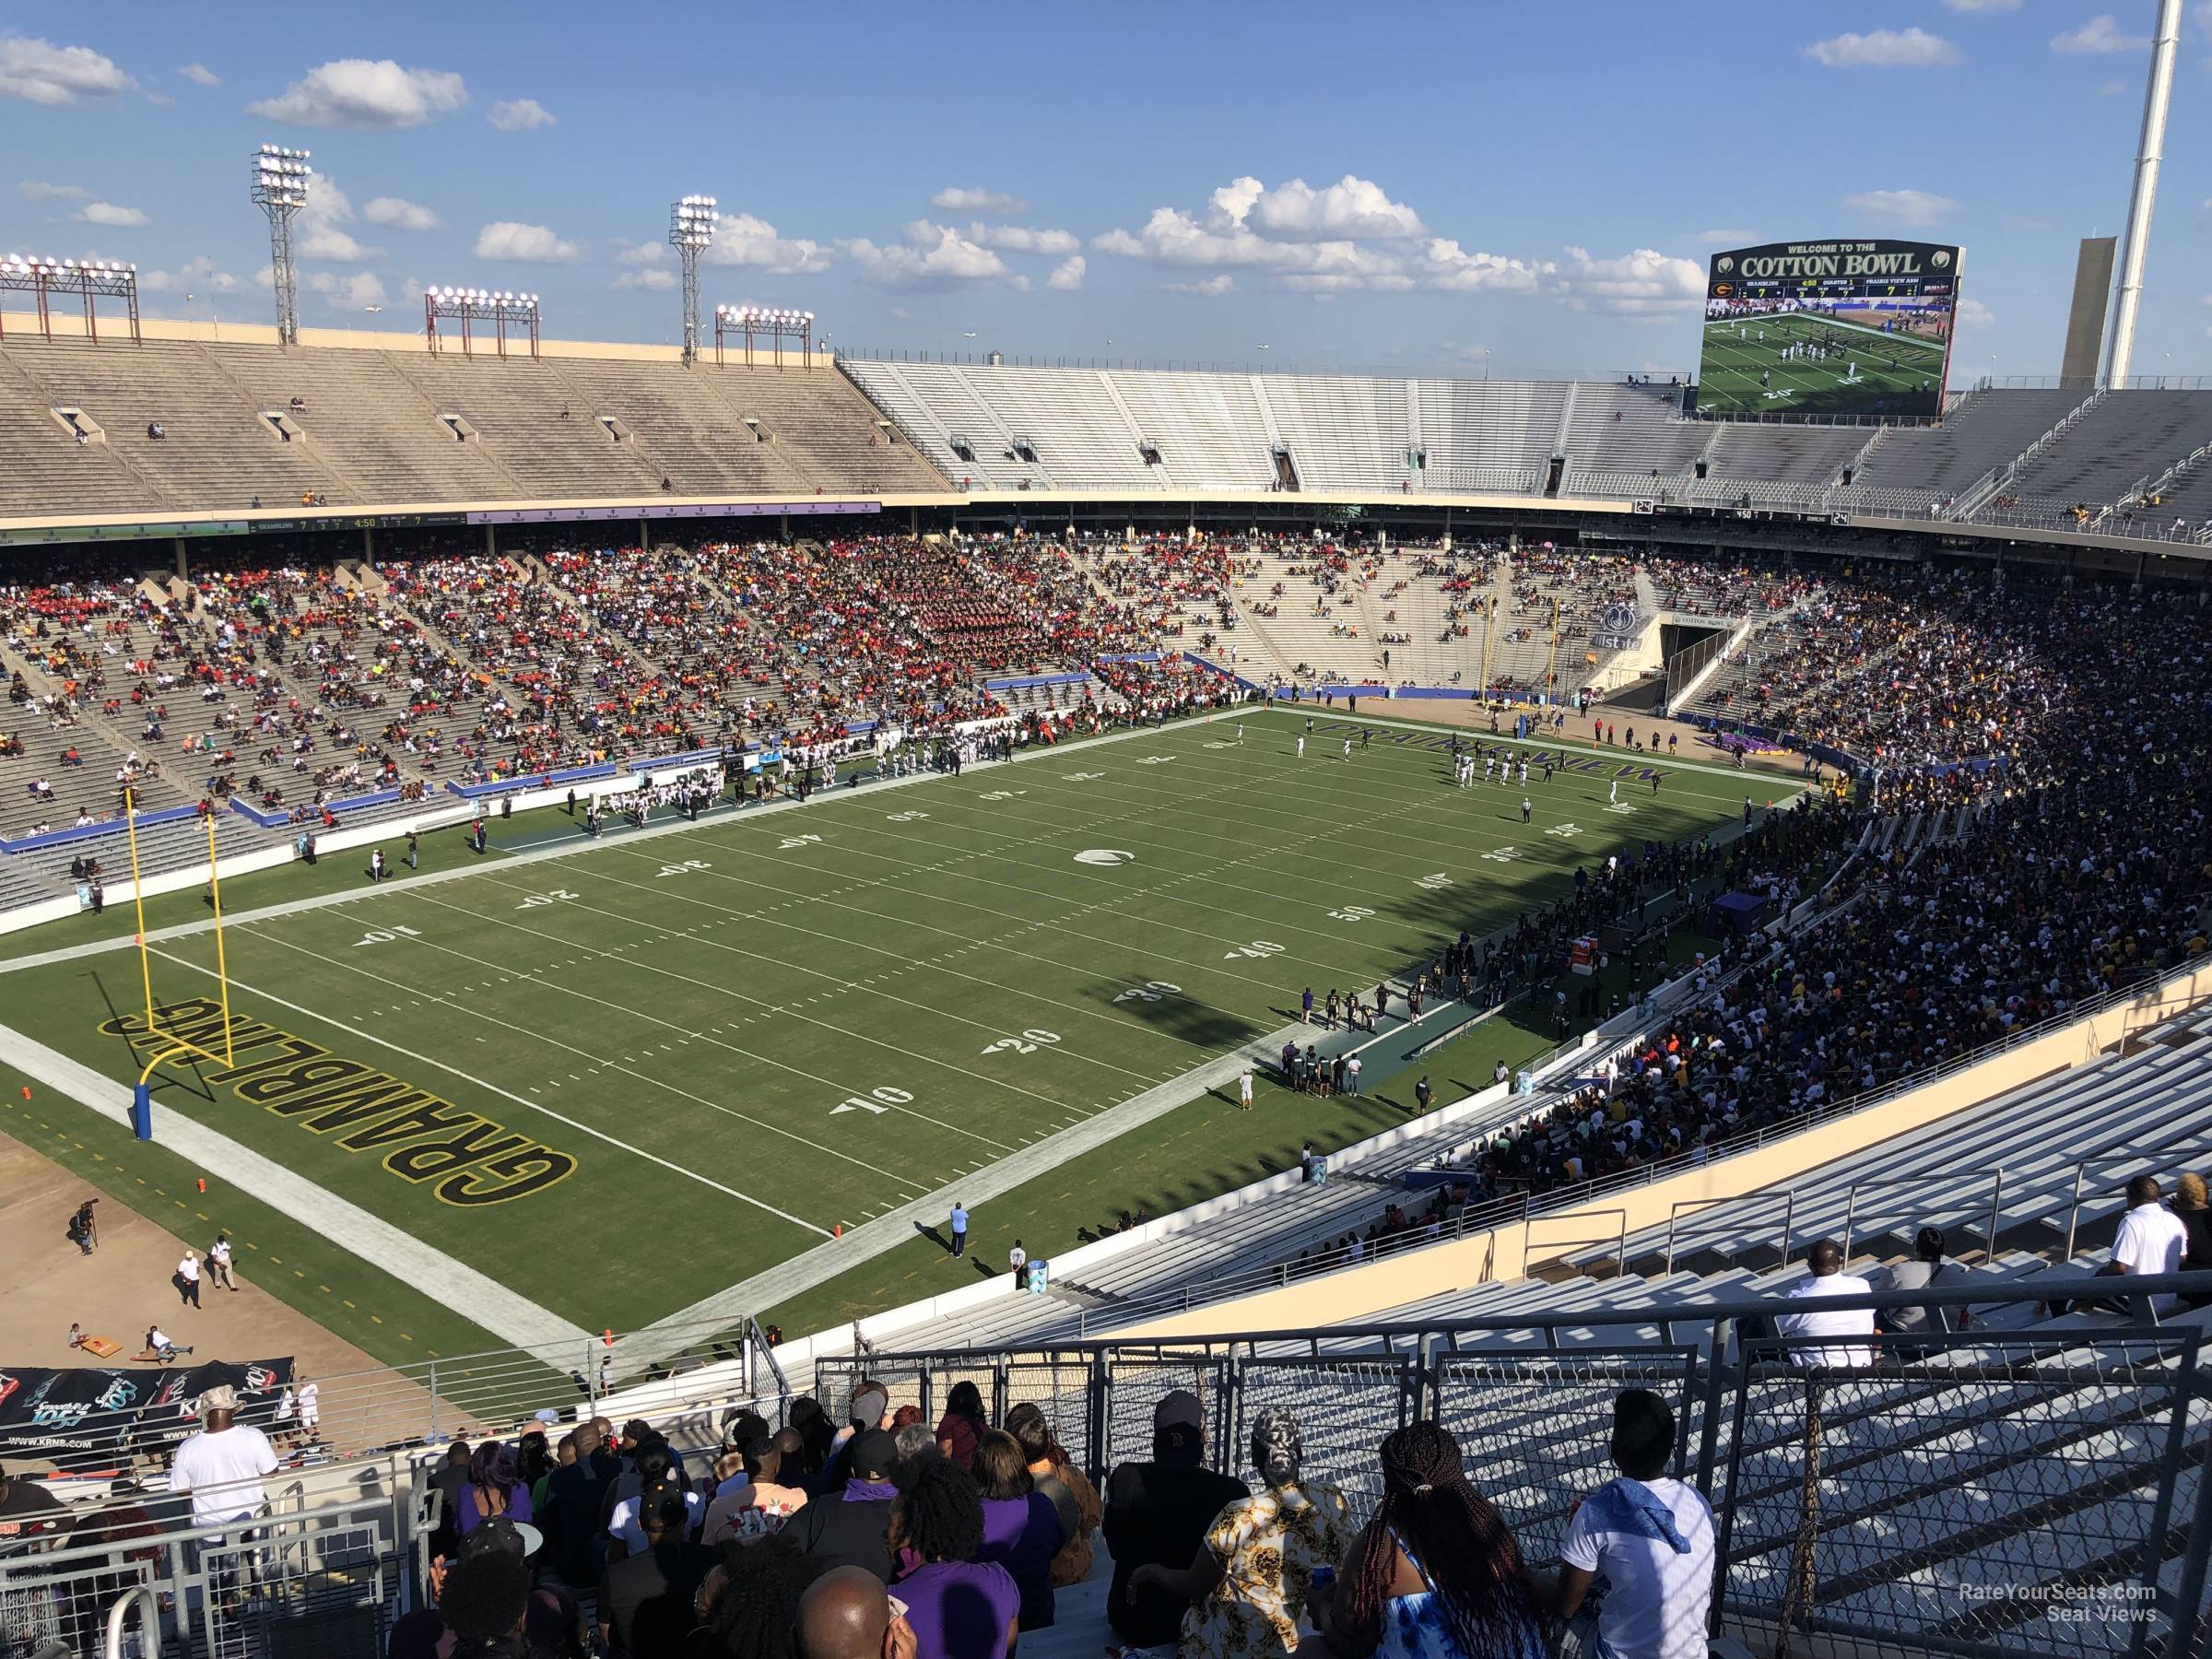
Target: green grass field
1891 370
621 1080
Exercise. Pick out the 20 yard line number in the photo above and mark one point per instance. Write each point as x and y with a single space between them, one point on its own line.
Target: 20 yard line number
1029 1043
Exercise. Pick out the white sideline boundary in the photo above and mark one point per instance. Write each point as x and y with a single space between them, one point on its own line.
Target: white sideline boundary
472 1294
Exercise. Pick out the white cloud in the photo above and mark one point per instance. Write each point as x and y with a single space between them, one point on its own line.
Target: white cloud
1723 239
38 190
1919 208
519 115
1983 5
1067 275
651 279
524 244
1297 212
1021 238
400 214
197 276
932 257
2100 36
2112 88
362 92
1973 313
107 213
41 72
643 253
199 74
742 240
1447 267
321 233
1884 49
1642 284
356 292
1213 287
954 198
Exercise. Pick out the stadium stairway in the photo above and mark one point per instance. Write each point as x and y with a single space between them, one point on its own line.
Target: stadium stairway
1922 467
2126 438
536 422
42 464
383 425
218 451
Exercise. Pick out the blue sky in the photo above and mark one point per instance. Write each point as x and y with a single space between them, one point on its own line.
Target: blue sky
1532 188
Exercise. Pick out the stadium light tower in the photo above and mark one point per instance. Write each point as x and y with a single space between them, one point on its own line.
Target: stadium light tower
690 233
503 307
775 324
2119 357
280 182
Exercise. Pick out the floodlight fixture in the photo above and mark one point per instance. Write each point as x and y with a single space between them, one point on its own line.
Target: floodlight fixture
281 179
43 275
774 323
691 233
504 309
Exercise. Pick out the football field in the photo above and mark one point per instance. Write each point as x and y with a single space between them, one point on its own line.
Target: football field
1743 373
620 1075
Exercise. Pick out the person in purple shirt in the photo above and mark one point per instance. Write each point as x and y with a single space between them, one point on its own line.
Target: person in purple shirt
494 1488
959 1608
1021 1528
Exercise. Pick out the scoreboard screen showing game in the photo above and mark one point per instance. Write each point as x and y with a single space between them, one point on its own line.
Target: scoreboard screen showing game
1829 328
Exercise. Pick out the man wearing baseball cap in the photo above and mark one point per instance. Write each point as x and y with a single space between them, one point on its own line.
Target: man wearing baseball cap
1156 1514
222 1466
851 1528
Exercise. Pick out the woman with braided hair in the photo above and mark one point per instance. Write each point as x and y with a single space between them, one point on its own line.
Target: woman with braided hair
1253 1570
1436 1574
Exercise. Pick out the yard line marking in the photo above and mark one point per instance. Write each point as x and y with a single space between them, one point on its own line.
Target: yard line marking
581 1128
626 1067
1120 1022
796 1071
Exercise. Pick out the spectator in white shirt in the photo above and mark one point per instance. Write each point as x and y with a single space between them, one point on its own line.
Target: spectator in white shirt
1651 1539
221 1466
2151 1238
1831 1326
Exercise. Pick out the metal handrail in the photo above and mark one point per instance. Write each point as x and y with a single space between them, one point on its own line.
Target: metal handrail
1997 1199
1674 1212
142 1597
2139 1290
1620 1237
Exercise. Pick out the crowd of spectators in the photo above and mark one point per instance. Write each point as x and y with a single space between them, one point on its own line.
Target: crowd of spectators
889 1538
2080 881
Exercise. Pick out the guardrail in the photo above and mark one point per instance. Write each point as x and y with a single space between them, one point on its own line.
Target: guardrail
1847 1480
2069 1456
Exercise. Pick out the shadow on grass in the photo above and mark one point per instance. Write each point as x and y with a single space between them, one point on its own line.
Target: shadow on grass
1180 1016
183 1074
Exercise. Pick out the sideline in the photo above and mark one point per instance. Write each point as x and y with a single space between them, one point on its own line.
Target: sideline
474 1296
